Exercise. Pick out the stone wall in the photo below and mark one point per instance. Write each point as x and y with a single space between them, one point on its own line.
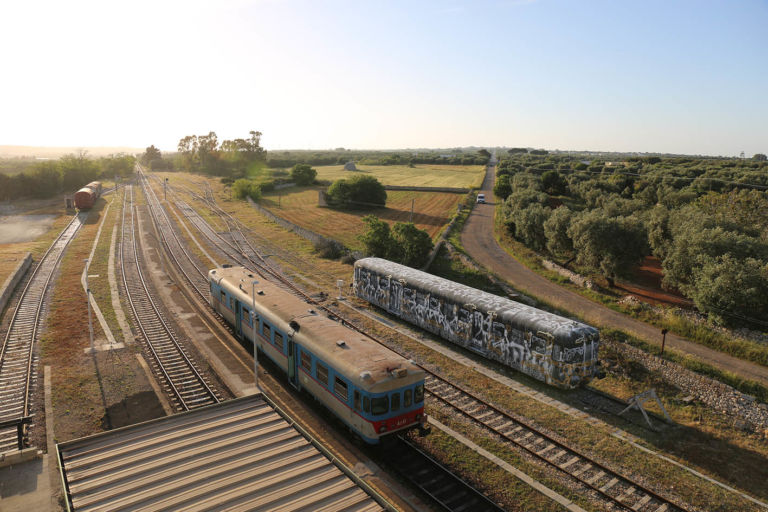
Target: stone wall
572 276
747 413
428 189
10 283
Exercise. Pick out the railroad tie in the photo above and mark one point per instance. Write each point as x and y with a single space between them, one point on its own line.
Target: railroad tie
645 499
597 476
582 469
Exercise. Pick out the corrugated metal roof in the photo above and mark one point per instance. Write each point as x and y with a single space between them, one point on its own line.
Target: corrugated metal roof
237 455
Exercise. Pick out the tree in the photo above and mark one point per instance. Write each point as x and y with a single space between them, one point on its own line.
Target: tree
556 232
484 153
512 151
760 157
694 244
77 171
151 153
412 244
47 178
359 191
553 183
612 246
503 187
659 236
303 174
377 239
727 289
529 226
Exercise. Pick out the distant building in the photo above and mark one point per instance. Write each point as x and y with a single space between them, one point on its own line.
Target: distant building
350 166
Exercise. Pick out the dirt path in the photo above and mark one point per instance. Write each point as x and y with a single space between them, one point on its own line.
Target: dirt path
477 239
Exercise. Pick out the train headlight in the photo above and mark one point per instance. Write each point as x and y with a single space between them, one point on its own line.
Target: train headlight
382 429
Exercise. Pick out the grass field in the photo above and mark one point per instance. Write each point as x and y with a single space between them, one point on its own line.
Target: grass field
431 211
422 175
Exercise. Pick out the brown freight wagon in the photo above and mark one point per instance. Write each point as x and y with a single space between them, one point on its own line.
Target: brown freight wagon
87 196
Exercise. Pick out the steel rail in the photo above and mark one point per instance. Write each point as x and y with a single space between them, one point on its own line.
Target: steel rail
23 320
153 339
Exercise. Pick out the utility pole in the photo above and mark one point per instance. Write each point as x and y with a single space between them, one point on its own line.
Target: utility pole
663 339
165 187
255 347
412 201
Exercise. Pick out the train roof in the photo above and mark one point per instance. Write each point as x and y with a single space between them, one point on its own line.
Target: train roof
368 364
564 329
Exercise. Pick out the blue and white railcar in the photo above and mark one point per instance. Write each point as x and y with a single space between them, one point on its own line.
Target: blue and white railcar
548 347
374 391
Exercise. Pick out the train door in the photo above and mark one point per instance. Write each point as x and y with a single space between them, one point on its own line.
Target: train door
395 297
293 374
238 319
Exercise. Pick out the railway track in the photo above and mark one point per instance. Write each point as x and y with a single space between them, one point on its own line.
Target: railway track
609 484
615 489
448 491
17 358
177 372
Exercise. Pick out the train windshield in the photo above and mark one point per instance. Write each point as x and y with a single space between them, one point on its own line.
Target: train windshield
379 405
418 397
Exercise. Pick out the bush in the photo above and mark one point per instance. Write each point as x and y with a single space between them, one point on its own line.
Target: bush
243 188
329 249
404 243
303 174
357 192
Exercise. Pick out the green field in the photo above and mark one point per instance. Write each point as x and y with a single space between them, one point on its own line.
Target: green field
421 175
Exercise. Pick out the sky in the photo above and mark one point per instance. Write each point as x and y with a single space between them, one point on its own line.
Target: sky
651 76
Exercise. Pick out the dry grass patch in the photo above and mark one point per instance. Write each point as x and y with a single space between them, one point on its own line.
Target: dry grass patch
431 212
79 409
420 175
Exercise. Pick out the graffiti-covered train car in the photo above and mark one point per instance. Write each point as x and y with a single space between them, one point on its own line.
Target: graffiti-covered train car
548 347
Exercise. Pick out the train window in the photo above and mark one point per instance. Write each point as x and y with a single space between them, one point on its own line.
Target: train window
340 388
322 373
421 299
418 396
366 404
407 398
464 316
498 330
223 297
408 293
279 340
395 401
434 303
380 405
306 361
357 400
246 316
267 331
231 304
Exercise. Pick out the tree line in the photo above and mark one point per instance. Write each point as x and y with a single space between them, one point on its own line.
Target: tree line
705 219
67 174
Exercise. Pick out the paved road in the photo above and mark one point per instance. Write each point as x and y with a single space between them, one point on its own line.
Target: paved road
477 239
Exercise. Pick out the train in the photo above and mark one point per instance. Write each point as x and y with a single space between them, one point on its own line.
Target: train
371 389
87 196
558 351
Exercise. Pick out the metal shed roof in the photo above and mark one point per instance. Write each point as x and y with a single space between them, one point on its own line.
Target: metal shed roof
237 455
